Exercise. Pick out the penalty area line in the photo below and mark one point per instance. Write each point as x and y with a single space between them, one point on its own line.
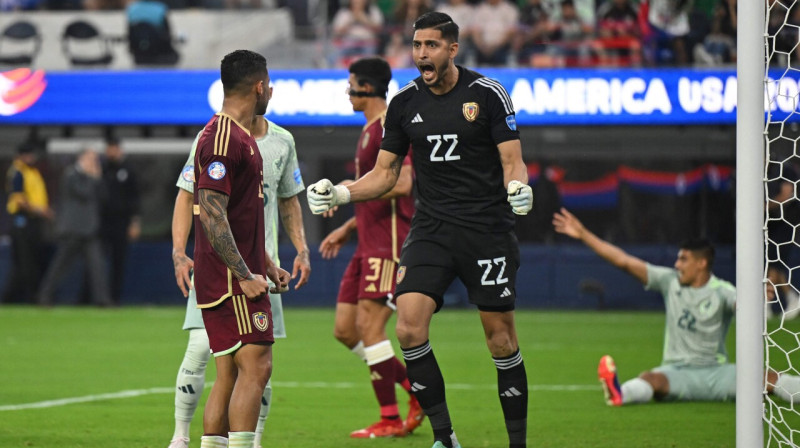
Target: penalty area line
277 384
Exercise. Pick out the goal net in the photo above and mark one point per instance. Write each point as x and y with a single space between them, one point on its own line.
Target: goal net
782 221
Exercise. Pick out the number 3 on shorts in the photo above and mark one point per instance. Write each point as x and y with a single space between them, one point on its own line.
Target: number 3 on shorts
488 266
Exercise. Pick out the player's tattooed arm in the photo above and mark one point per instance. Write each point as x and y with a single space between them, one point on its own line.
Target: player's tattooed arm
214 218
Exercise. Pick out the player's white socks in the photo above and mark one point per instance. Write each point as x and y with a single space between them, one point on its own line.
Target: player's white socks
788 388
377 353
636 390
266 401
358 350
240 439
191 380
214 442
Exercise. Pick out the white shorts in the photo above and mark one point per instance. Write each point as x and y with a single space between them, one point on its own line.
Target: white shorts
689 383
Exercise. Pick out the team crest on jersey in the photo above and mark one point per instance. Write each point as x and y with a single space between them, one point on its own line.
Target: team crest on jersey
401 273
470 111
277 166
188 173
261 321
365 140
217 170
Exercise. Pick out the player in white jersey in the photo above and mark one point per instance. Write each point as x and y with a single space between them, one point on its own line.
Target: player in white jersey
282 183
699 309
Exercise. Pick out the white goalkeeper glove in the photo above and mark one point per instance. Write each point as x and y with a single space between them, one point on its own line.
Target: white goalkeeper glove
323 196
520 196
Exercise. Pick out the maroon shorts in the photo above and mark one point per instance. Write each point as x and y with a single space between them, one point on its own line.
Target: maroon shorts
238 321
367 278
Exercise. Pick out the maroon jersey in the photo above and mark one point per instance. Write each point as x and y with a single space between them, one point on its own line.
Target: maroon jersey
382 224
227 160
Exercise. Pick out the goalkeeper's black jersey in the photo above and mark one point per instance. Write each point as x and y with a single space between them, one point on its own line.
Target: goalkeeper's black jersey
459 177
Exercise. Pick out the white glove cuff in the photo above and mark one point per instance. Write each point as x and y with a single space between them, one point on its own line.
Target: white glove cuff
341 195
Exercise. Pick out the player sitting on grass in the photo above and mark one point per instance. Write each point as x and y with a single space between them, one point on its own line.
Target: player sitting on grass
699 309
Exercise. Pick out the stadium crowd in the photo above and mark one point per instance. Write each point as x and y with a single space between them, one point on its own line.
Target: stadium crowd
536 33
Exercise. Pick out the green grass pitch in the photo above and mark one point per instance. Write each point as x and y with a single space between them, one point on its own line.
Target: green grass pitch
103 378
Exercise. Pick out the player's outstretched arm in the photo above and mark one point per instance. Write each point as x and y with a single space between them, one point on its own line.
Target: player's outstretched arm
292 219
515 177
181 226
214 218
323 195
566 223
403 186
329 248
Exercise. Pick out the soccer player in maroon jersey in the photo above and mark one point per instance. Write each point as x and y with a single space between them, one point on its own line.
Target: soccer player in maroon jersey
230 257
364 304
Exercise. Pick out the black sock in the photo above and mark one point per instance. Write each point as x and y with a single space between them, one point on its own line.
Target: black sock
512 383
427 385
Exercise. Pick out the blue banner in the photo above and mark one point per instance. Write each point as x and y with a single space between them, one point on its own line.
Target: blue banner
317 97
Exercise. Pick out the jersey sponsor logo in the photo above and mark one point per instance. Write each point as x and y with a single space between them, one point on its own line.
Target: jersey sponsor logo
188 173
401 273
261 321
511 122
470 111
298 179
217 170
417 119
505 293
371 288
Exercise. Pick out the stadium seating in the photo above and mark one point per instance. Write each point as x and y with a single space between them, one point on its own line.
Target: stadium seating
20 43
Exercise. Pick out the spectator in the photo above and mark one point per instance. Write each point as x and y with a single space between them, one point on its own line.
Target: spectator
534 33
77 226
149 34
618 33
19 5
463 14
669 23
569 37
103 5
119 214
400 31
356 28
28 207
718 47
494 31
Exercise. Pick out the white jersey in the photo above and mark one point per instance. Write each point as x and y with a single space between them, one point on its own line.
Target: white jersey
697 318
282 178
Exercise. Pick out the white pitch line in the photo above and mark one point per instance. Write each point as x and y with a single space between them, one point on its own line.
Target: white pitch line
277 384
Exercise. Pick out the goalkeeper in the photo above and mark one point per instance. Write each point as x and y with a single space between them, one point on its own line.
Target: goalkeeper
699 308
470 181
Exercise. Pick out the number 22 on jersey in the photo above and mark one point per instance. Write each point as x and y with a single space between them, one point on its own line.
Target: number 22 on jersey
448 156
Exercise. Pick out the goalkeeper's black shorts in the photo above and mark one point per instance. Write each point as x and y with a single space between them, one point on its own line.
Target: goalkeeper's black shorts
436 252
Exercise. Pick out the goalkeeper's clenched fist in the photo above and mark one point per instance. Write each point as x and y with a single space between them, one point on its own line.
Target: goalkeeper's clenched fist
323 196
520 196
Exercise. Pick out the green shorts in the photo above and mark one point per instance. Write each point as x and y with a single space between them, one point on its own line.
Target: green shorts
194 317
692 383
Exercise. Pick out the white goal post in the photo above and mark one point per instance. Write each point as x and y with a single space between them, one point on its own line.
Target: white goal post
750 222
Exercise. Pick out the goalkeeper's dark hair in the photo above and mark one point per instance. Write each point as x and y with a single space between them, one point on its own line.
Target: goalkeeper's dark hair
702 248
240 69
438 21
374 71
